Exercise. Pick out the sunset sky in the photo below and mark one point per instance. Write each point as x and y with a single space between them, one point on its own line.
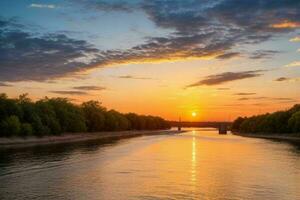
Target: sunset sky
203 60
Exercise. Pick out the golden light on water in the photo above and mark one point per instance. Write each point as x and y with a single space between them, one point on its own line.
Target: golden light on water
193 161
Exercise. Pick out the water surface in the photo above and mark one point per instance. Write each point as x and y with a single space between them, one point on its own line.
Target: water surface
199 164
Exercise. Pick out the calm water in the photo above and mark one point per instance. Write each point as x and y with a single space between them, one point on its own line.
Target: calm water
199 164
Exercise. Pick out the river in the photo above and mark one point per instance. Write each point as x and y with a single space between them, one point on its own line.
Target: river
198 164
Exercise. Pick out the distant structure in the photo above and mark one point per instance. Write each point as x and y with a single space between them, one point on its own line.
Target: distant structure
179 124
223 129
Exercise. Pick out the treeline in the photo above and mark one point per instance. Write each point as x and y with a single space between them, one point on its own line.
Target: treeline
53 116
278 122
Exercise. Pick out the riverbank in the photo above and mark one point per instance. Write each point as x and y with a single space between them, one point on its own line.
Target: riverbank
287 137
78 137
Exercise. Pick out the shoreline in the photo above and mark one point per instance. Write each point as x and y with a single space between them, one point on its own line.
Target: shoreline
16 142
287 137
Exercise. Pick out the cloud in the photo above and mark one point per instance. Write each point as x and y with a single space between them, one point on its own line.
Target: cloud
89 88
244 93
295 39
253 98
281 79
261 54
228 55
286 24
108 6
134 77
293 64
50 6
210 29
218 79
250 16
283 99
267 98
244 99
26 56
4 84
223 88
69 92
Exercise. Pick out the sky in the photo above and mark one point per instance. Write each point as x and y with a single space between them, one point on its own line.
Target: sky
218 59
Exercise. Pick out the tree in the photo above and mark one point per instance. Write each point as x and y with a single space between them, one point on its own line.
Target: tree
48 117
10 126
294 122
51 116
94 115
70 116
237 123
26 129
9 107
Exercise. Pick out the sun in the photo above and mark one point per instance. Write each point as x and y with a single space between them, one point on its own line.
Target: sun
194 114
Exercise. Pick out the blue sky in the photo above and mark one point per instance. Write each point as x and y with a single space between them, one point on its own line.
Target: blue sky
172 47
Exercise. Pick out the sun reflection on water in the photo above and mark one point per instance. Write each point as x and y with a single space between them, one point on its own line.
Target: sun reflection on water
193 160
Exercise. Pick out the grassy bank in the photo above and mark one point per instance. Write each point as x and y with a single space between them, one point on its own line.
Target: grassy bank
77 137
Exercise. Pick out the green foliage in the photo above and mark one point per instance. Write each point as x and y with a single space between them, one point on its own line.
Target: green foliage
26 129
48 117
10 126
9 107
280 122
70 116
94 114
294 122
52 116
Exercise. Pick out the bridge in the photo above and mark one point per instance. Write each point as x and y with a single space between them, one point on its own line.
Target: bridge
222 126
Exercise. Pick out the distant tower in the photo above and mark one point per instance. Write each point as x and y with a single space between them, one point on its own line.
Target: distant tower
179 124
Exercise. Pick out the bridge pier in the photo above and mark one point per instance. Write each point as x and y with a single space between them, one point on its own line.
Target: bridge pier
223 129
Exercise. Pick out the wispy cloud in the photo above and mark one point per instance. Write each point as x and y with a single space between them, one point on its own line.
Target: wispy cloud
267 98
283 99
218 79
35 5
262 54
223 88
293 64
89 88
4 84
228 55
244 93
286 25
69 92
282 79
295 39
134 77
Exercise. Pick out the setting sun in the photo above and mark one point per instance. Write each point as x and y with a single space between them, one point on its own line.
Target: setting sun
194 114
